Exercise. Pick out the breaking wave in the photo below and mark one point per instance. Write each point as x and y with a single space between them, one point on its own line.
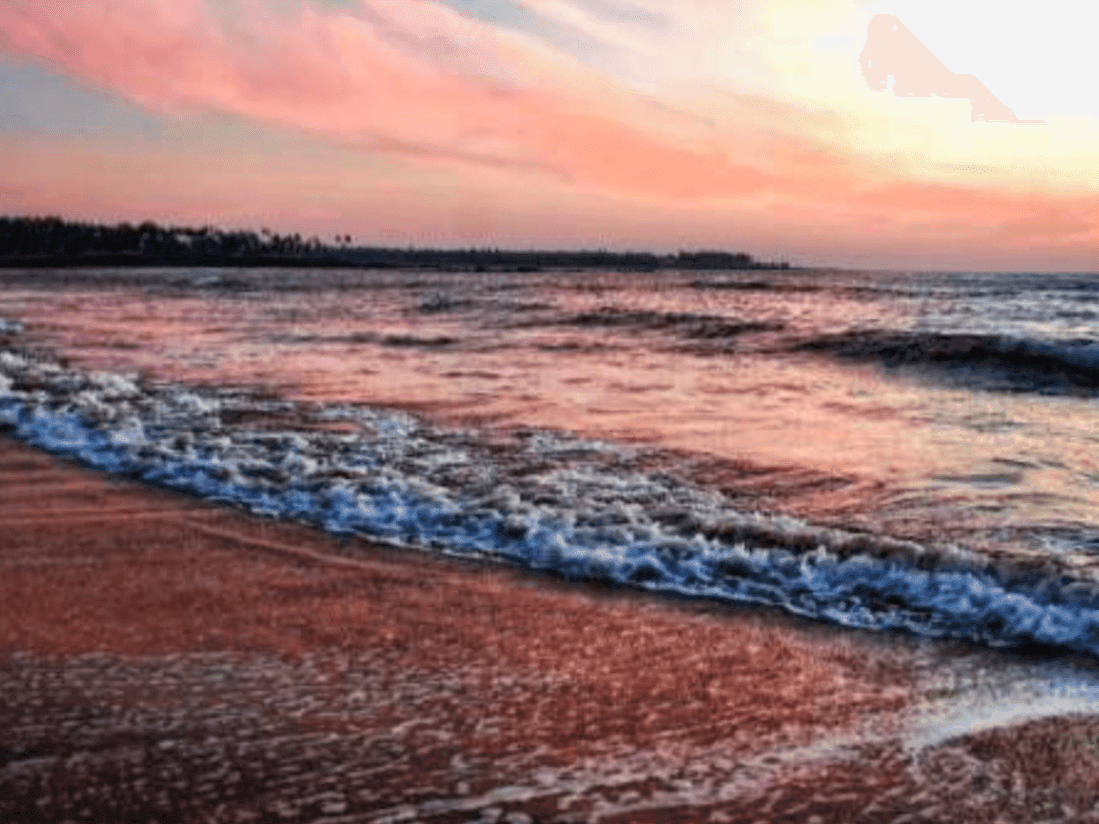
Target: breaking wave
994 362
578 508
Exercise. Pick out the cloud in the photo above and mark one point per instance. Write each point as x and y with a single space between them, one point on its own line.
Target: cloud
492 122
407 76
626 26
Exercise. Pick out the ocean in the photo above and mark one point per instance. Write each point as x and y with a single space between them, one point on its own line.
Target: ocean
892 451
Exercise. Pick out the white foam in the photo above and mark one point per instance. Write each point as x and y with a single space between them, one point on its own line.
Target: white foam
988 699
410 484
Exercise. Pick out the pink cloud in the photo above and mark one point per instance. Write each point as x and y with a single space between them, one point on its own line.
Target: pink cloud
413 77
467 103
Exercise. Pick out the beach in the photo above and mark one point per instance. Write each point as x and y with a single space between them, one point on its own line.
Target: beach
572 546
166 659
548 412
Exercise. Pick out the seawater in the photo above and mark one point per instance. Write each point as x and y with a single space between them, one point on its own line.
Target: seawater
880 450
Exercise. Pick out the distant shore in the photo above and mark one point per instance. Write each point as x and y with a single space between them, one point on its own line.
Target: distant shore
386 259
52 243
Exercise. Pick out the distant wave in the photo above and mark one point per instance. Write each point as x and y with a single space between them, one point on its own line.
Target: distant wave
416 341
436 303
579 508
847 289
356 338
684 324
983 361
757 285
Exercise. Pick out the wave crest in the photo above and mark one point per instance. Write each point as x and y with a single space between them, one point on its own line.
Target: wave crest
564 505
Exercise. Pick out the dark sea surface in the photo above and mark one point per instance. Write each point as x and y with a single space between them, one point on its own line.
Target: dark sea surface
891 451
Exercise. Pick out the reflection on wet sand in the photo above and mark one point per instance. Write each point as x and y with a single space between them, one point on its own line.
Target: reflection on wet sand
196 664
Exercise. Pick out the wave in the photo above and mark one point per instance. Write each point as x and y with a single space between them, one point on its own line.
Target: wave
438 302
358 338
983 361
759 286
579 508
685 324
845 289
417 341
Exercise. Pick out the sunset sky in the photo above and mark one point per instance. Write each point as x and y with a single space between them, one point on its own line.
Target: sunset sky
643 124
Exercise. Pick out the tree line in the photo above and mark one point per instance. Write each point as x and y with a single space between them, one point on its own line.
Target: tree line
54 242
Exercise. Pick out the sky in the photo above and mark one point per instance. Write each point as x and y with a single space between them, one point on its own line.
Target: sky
621 124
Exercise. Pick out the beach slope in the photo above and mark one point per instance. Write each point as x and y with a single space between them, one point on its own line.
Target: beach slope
164 659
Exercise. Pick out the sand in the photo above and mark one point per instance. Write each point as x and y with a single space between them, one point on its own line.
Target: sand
165 659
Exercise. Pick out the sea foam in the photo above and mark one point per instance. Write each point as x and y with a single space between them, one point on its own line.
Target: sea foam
549 501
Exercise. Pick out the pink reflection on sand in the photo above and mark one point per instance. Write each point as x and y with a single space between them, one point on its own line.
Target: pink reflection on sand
894 52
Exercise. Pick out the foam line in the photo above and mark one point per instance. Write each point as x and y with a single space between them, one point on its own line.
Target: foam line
403 482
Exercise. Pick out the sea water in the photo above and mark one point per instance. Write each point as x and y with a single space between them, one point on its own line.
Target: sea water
884 450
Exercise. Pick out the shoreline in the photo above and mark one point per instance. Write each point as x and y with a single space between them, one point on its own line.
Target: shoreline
338 262
148 660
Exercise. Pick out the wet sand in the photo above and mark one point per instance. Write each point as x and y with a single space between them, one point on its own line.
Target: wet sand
164 659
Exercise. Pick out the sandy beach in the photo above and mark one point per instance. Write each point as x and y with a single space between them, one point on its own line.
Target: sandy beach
165 659
548 412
